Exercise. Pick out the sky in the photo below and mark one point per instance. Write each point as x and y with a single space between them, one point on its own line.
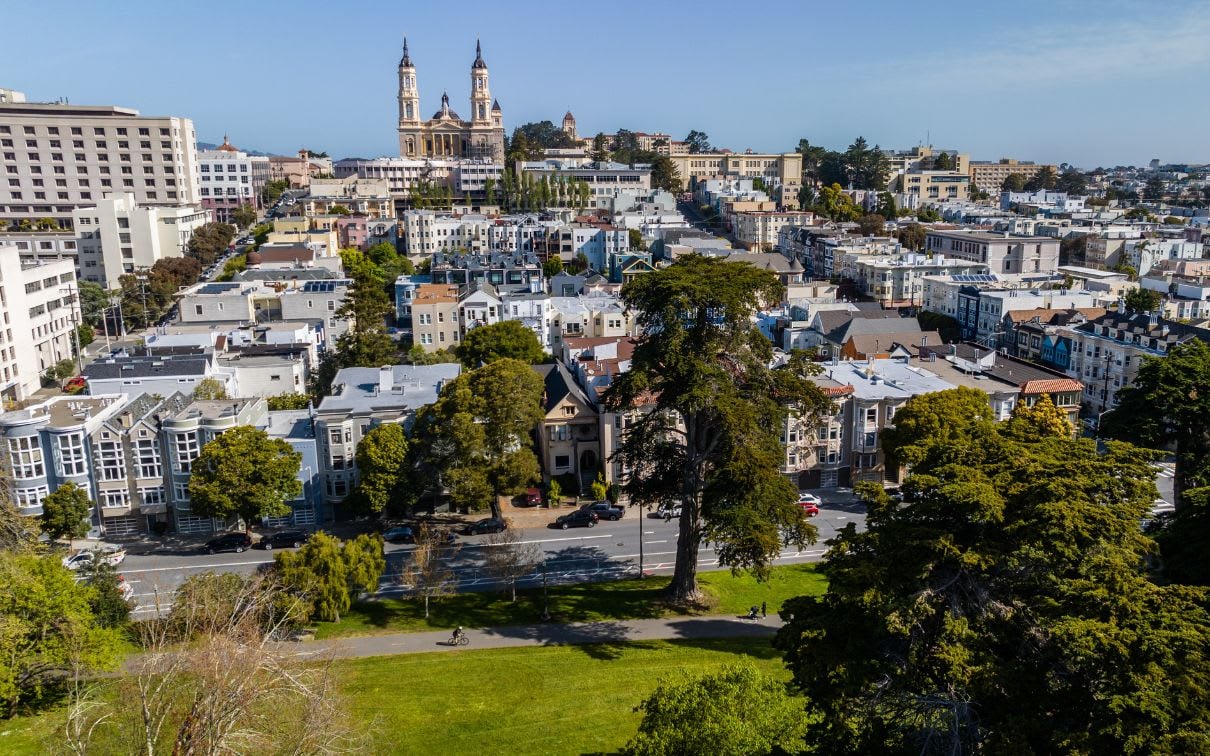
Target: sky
1110 82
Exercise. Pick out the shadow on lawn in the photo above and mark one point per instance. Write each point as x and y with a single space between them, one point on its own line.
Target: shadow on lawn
600 640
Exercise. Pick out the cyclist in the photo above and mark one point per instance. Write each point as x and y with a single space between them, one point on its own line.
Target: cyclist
459 634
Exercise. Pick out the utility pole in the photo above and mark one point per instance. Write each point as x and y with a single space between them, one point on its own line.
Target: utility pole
142 279
75 326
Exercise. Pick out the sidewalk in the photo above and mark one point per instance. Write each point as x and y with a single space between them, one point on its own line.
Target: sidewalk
522 636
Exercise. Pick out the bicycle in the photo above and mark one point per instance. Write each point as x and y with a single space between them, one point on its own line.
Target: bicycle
459 640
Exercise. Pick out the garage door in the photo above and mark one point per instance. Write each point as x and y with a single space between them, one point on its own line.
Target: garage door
193 524
122 526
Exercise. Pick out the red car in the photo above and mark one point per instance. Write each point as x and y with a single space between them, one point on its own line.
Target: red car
74 385
809 504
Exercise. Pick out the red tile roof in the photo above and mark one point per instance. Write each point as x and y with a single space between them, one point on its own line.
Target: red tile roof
1052 386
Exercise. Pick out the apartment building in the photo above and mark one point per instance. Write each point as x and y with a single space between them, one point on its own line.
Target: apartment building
759 230
506 272
588 316
435 316
265 301
1001 253
56 157
230 178
41 310
360 196
118 236
362 398
782 172
989 175
466 178
930 187
602 178
898 280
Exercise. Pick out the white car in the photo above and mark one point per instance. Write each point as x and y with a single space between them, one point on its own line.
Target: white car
112 555
806 498
668 511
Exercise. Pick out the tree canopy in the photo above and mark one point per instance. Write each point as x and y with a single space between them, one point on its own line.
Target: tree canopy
209 242
709 410
65 513
508 338
697 142
244 473
382 469
1139 299
328 573
1003 606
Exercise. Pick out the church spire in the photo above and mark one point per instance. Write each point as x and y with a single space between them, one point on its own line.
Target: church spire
478 56
406 61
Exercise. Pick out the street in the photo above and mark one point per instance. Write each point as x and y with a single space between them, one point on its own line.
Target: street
609 551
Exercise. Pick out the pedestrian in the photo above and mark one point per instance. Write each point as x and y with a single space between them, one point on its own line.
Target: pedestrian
763 606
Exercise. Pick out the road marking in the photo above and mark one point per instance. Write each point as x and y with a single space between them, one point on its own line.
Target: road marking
199 566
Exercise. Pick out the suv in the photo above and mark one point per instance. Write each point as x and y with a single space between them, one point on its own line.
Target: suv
606 510
579 518
285 539
487 525
237 542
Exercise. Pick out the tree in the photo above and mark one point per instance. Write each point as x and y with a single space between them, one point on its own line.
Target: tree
552 267
1073 182
478 435
600 148
943 162
93 301
244 473
273 190
697 142
65 368
49 630
834 203
1003 606
427 573
708 437
508 338
85 334
871 224
382 458
599 487
928 214
733 712
1042 420
912 236
1154 188
1139 299
327 574
210 388
108 605
1013 182
288 402
1168 407
507 559
66 512
635 237
209 242
812 158
244 216
664 173
886 206
338 209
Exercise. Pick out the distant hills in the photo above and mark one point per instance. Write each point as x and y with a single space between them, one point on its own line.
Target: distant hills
254 153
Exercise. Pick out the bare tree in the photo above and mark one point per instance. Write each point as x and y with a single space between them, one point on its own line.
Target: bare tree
213 678
508 559
428 572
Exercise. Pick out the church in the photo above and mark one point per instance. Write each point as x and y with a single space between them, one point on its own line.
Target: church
446 136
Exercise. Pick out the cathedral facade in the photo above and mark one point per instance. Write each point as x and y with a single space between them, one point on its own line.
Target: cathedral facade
446 135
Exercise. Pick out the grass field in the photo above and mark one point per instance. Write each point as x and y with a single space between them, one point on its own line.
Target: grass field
551 700
580 602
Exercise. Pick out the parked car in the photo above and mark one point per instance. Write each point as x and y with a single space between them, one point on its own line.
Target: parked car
579 518
400 534
807 498
74 385
606 510
285 539
237 542
112 555
486 525
533 497
668 511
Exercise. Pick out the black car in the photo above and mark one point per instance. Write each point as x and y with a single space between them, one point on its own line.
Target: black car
606 510
237 542
285 539
487 525
579 518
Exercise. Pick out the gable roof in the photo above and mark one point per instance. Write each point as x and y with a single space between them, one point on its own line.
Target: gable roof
559 384
885 343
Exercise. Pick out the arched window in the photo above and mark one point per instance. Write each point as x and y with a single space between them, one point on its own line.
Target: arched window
408 110
411 142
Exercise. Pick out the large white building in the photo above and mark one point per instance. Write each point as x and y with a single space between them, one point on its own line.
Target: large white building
55 157
230 178
41 310
119 236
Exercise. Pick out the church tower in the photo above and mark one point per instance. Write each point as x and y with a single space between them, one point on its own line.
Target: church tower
481 94
569 125
409 106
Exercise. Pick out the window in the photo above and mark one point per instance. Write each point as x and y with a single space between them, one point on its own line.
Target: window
871 415
115 499
180 492
152 495
186 450
31 497
25 457
147 457
111 462
71 457
562 462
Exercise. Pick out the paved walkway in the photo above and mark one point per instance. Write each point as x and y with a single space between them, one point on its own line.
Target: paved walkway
522 636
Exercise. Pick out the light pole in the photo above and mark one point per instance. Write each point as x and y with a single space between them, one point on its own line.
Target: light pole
75 327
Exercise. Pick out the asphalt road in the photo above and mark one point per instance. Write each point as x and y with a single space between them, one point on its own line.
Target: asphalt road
606 552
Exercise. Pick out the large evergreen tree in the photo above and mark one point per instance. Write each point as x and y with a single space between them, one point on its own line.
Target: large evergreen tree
1003 606
709 412
244 473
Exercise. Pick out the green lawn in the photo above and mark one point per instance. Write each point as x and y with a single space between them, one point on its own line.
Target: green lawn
580 602
549 700
555 700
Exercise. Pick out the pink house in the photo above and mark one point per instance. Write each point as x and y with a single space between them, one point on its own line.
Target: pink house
353 231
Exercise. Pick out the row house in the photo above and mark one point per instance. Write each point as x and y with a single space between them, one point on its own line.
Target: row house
362 398
594 316
506 272
569 439
1106 352
132 456
1032 334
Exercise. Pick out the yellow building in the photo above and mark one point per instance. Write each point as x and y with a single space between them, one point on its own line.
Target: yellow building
782 172
435 317
989 176
446 134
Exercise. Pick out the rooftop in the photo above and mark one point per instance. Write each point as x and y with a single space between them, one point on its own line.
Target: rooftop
885 379
396 387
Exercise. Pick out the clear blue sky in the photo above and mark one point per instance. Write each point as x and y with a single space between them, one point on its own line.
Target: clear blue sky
1093 83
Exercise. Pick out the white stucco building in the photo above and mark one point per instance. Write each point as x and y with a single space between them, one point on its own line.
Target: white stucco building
41 310
230 178
118 235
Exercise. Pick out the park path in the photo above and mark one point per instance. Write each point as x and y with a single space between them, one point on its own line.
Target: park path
522 636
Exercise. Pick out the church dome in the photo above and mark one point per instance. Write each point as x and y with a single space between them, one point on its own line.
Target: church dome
446 112
226 146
